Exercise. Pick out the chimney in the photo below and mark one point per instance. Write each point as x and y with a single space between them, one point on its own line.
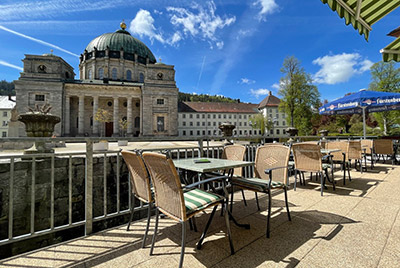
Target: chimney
270 93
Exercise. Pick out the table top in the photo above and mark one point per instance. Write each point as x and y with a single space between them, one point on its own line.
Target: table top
214 164
328 151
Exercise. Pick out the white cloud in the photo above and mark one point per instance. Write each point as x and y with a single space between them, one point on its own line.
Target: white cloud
267 7
276 86
143 25
38 41
246 81
176 37
340 68
201 22
259 92
4 63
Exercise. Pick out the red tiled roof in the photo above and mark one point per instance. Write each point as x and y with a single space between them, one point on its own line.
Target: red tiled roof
216 107
269 101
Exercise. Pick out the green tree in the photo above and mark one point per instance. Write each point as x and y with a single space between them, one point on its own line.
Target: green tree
300 98
386 77
7 88
259 121
103 116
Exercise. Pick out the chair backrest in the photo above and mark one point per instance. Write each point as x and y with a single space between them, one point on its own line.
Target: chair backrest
368 145
235 152
307 157
354 151
270 156
383 146
343 146
139 176
167 186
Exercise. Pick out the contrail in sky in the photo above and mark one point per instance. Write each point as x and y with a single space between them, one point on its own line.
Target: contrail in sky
2 62
38 41
201 72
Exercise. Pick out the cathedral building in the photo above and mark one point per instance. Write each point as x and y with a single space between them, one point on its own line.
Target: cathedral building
118 74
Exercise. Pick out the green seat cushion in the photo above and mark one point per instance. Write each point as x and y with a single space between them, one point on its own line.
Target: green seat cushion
256 184
325 166
197 199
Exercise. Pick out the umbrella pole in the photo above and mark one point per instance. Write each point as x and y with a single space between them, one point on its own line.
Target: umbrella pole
364 127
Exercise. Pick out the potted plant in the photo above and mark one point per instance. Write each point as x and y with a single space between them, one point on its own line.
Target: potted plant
102 116
39 123
123 123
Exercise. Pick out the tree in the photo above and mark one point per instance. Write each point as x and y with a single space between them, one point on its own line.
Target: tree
103 116
258 121
7 88
386 77
300 98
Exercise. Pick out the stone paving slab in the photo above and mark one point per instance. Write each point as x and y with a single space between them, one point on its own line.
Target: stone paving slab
358 225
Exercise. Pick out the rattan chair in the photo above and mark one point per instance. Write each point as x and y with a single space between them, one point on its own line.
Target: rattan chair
340 157
177 204
355 153
271 172
308 158
367 147
140 183
384 147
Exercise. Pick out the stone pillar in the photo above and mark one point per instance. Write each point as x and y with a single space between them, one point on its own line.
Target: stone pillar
81 116
95 122
141 116
67 123
116 118
129 117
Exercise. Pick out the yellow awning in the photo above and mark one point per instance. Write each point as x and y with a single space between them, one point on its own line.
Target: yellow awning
392 51
362 14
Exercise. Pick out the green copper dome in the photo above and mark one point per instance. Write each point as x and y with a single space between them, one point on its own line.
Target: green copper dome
121 39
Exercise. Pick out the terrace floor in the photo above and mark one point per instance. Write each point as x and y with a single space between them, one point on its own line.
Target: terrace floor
358 225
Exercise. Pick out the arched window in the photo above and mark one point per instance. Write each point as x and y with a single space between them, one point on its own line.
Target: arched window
114 74
129 75
141 77
137 122
90 74
101 73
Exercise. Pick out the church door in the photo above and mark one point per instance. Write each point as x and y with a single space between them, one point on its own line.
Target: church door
109 129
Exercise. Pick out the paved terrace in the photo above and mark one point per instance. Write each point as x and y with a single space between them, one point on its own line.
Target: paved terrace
356 226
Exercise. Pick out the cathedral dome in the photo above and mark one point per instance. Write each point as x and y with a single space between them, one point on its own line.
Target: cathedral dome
121 40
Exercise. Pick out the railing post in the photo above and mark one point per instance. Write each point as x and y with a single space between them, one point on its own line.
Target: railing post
89 187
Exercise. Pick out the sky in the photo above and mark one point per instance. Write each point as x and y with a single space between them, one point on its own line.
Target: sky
233 48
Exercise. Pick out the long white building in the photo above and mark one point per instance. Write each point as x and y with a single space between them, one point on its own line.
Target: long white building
6 105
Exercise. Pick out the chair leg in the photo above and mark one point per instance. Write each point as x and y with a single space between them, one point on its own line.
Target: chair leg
295 179
333 180
269 213
228 227
147 225
258 204
287 204
183 244
244 198
155 232
348 172
232 192
322 183
132 212
199 244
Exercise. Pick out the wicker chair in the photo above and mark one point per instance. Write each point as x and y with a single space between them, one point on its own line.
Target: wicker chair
341 157
384 147
140 183
308 158
271 172
177 204
368 149
355 153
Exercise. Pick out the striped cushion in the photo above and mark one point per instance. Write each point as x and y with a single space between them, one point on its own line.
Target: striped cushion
197 199
256 183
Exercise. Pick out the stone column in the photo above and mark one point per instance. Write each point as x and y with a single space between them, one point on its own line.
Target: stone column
129 117
95 122
116 118
67 123
141 116
81 116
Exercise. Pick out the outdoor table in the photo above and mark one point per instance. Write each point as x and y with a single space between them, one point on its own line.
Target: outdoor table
206 165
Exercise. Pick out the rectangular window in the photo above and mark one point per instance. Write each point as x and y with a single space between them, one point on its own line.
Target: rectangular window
277 131
4 134
214 124
198 124
39 97
209 123
204 132
250 132
209 116
240 124
190 116
209 133
219 116
230 116
240 116
283 115
184 116
203 124
214 116
240 132
191 124
277 123
277 116
191 133
245 123
224 116
283 123
160 101
184 133
4 123
234 117
270 132
184 123
197 116
204 116
160 123
198 132
4 113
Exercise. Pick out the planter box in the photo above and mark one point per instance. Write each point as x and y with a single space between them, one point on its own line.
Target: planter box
122 143
100 146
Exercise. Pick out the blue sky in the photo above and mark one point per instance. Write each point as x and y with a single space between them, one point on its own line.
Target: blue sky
227 47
